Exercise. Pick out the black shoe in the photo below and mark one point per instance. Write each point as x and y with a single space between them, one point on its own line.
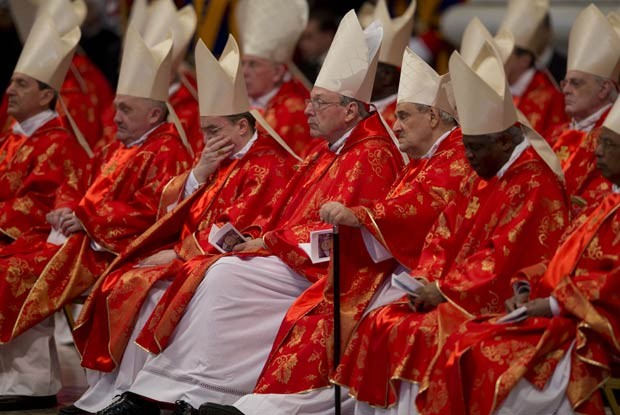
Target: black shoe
129 404
24 403
217 409
183 408
72 410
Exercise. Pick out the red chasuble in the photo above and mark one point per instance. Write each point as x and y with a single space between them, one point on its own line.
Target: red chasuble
31 170
120 204
491 229
359 174
87 94
481 363
243 192
576 151
399 222
285 114
542 103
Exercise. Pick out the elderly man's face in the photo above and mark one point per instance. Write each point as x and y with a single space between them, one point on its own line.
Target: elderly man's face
608 155
326 115
584 94
24 97
485 154
134 117
413 129
261 75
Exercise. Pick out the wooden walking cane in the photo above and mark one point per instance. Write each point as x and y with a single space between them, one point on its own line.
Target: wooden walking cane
336 277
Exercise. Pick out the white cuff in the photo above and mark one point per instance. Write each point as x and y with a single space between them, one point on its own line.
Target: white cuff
191 185
554 305
96 247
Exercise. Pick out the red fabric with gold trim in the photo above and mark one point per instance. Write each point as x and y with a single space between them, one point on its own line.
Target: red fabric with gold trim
243 192
542 103
584 181
361 173
31 170
471 252
119 205
87 93
389 114
285 114
185 103
400 222
485 359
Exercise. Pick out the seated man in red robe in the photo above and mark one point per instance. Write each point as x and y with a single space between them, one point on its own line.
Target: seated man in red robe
477 240
228 316
534 91
398 224
552 353
590 88
236 180
85 92
38 154
396 35
42 271
269 31
163 18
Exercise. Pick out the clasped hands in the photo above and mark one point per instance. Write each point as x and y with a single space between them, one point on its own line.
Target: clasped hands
64 221
538 307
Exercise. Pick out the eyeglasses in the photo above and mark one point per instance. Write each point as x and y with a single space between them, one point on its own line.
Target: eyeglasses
318 103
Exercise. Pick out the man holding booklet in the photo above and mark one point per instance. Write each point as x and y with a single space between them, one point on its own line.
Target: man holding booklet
514 202
234 183
555 360
213 330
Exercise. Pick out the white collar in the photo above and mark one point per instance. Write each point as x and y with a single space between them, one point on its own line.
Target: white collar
615 188
262 101
143 137
383 103
431 151
337 146
172 89
239 154
32 124
518 88
587 124
516 153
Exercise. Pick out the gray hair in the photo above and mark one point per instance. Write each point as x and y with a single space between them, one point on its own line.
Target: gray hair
361 107
613 92
443 116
